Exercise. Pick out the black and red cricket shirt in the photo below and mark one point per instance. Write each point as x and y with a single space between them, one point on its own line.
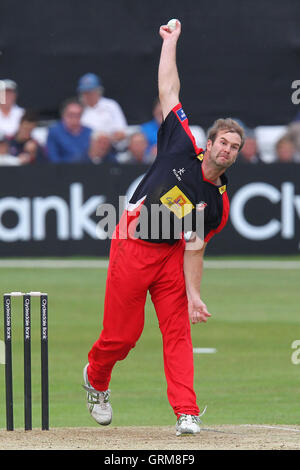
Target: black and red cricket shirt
176 181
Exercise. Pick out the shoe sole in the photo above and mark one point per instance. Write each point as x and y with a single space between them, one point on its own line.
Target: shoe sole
187 434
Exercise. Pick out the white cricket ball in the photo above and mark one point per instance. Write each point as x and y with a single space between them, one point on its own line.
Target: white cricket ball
172 24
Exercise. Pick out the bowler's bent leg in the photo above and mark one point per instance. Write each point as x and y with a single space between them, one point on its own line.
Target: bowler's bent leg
123 321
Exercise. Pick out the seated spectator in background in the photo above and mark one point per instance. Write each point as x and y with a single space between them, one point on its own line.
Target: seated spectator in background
249 152
68 140
5 158
101 114
22 145
285 150
101 150
294 132
137 150
10 112
150 128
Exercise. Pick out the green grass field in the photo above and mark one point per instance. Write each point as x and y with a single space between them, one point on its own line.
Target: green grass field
250 379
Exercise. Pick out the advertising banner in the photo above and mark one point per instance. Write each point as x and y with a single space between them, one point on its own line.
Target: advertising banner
57 210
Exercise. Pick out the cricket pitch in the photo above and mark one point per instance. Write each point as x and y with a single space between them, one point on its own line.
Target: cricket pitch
231 437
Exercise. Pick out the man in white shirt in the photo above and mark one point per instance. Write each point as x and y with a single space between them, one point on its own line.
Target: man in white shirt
101 114
10 112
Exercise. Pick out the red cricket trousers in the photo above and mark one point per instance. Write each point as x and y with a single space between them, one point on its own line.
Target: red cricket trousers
136 266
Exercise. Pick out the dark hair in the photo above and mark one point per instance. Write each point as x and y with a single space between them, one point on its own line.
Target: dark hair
67 102
226 124
30 116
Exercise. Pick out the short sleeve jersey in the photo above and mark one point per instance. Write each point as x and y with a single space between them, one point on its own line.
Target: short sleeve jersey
175 183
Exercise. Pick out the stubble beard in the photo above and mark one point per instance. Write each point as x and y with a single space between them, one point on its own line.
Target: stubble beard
219 164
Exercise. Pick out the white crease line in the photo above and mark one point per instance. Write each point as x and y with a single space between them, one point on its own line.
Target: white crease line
204 350
270 427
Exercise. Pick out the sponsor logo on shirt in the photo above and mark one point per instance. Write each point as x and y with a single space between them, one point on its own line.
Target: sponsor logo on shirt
178 173
176 201
201 206
181 114
222 189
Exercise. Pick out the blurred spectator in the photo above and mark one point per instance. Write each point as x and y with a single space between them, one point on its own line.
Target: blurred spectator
285 150
10 112
294 132
137 150
249 152
150 128
68 141
22 145
101 150
5 158
101 114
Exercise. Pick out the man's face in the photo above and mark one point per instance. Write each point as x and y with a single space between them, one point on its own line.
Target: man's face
11 97
102 145
71 117
249 148
90 98
138 146
25 129
286 151
224 150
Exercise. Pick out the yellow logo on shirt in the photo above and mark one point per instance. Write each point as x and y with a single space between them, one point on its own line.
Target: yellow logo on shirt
176 201
222 189
200 156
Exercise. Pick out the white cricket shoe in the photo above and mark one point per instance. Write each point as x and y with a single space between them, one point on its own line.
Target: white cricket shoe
187 424
97 402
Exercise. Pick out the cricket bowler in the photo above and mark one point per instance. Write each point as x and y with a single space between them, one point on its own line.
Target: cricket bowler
184 180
